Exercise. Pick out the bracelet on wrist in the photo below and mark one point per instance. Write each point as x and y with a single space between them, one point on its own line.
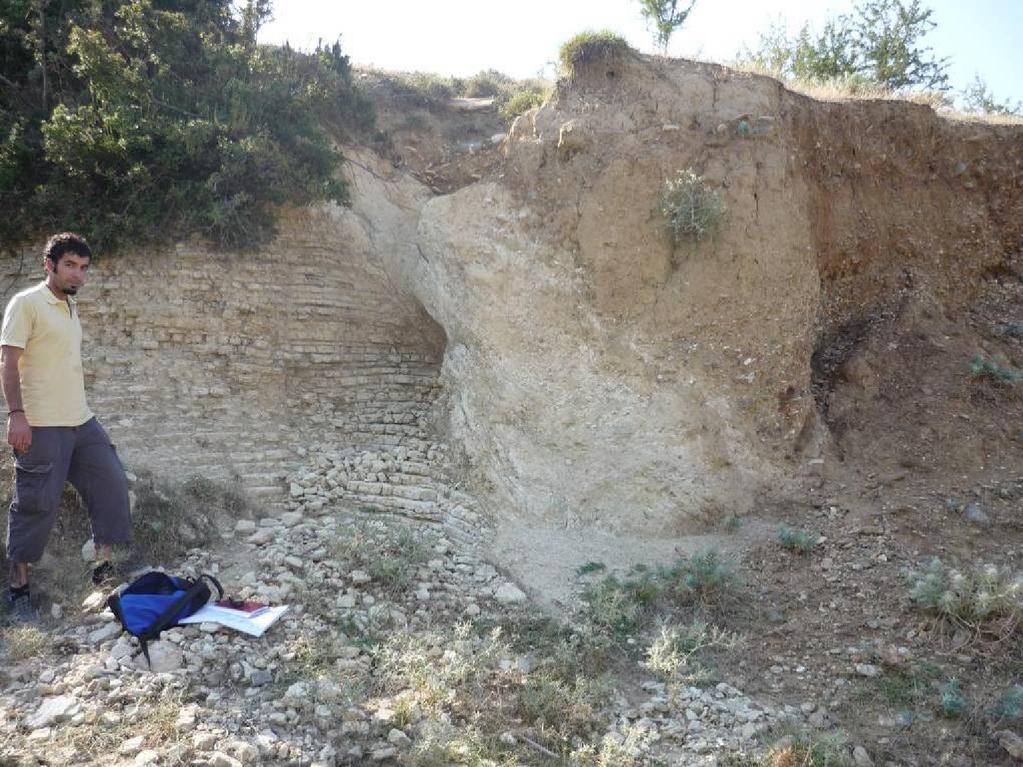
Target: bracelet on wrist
12 412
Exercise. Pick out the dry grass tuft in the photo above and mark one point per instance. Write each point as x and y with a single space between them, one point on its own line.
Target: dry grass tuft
19 643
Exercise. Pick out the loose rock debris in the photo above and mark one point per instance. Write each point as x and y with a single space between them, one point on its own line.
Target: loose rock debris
310 690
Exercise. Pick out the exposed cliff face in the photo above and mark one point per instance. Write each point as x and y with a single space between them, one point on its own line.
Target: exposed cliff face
592 374
600 376
233 365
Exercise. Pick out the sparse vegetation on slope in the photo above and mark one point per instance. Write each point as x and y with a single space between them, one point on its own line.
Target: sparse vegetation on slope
590 46
691 206
986 599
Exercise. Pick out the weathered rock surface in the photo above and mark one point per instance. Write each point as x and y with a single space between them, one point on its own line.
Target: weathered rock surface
580 369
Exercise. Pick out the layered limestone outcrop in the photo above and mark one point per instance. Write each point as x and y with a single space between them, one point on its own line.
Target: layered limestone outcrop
235 365
582 370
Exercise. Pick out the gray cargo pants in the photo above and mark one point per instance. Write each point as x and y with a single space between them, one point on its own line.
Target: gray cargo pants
83 456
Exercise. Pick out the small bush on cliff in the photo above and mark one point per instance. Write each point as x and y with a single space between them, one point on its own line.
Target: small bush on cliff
521 103
590 46
692 208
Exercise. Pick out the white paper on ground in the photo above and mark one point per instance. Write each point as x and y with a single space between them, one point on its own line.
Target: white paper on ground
236 619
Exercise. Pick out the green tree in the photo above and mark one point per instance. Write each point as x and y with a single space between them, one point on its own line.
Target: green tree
888 35
664 17
978 99
154 119
827 55
880 42
773 54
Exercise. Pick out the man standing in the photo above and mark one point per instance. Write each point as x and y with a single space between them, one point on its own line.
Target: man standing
54 435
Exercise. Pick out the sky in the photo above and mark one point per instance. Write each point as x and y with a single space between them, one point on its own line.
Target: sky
521 38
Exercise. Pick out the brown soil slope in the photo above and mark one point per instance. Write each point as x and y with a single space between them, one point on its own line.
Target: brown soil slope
602 376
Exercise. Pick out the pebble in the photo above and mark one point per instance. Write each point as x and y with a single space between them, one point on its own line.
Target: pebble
52 711
975 513
509 593
1011 742
131 746
398 738
163 657
105 632
220 759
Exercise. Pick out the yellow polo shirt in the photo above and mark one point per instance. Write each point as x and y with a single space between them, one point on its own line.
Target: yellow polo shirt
50 367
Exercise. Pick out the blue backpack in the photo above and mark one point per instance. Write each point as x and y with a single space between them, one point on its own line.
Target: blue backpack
155 602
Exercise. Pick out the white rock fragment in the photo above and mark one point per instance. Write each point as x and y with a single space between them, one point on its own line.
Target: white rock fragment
163 657
52 711
509 593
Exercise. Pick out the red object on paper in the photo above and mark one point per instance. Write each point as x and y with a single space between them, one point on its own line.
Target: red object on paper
249 608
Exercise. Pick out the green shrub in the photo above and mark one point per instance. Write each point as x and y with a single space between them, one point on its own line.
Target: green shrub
442 744
521 102
691 207
391 560
442 671
590 46
591 567
1010 704
568 707
798 747
899 687
706 576
996 369
799 541
425 89
674 653
486 84
624 749
610 606
984 599
733 523
625 606
951 702
166 120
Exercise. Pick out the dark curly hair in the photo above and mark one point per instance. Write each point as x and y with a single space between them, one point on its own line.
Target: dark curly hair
66 242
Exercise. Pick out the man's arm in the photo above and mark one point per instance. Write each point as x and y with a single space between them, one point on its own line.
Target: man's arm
19 433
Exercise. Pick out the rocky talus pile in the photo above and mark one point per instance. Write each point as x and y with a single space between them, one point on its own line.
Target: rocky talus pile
320 687
410 481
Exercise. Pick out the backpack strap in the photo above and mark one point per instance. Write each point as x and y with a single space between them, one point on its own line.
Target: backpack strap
169 617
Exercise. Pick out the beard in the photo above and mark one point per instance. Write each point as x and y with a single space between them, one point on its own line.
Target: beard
70 290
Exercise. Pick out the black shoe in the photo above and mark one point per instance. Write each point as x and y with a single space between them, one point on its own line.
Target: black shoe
107 571
103 572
